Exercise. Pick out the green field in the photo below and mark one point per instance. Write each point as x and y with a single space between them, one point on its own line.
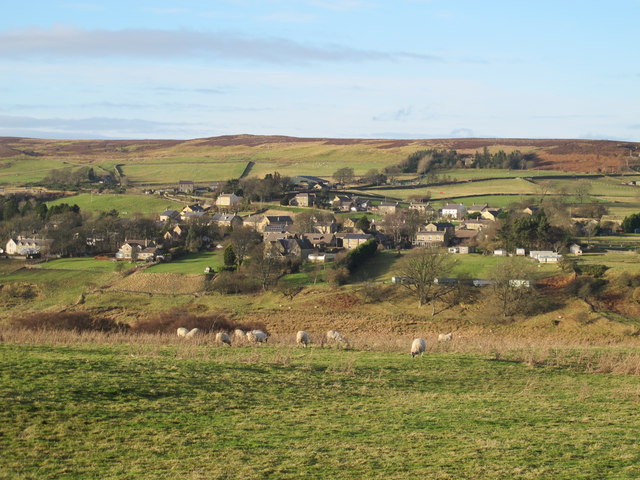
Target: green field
192 263
152 410
126 204
81 264
177 169
24 170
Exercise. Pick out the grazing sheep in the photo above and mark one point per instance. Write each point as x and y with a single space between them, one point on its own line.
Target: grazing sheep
334 336
239 334
257 336
182 332
193 332
445 337
418 347
302 338
222 337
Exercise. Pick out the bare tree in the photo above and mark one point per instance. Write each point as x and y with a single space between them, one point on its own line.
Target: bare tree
243 240
513 284
266 265
421 268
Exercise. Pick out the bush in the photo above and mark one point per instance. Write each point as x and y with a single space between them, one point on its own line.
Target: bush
78 321
229 282
595 270
372 292
21 290
169 322
337 276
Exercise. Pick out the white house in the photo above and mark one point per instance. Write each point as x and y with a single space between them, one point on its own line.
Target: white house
454 210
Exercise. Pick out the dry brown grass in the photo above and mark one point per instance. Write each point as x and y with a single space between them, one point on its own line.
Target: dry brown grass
622 358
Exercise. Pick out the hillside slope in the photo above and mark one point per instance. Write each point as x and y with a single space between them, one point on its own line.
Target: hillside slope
299 155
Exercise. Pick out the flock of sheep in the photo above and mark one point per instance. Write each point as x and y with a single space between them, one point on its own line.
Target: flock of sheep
418 346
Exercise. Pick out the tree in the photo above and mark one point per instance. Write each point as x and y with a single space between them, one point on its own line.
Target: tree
266 265
631 223
243 240
582 190
422 267
193 242
230 258
344 175
374 176
363 223
513 284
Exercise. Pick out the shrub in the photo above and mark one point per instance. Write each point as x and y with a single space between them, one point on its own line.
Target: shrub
169 322
372 292
337 276
229 282
21 290
78 321
595 270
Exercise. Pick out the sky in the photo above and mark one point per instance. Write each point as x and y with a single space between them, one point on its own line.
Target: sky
139 69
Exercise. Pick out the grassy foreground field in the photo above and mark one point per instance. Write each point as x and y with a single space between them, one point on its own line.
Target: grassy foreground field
157 408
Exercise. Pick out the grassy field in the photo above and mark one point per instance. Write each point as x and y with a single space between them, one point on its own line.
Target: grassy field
22 170
192 263
81 264
385 265
182 169
126 204
157 409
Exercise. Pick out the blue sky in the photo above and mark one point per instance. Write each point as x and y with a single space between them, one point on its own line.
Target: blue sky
320 68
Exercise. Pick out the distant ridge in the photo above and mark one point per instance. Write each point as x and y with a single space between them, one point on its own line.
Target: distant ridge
556 154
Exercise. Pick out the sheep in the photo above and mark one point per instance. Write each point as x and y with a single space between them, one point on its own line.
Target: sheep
222 337
302 338
257 336
193 332
418 347
445 337
334 336
239 334
182 332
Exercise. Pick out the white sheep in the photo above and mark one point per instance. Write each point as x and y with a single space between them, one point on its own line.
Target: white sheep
222 337
239 334
302 338
334 336
193 332
182 332
418 347
445 337
257 336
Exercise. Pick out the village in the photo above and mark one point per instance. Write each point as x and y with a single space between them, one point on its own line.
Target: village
325 221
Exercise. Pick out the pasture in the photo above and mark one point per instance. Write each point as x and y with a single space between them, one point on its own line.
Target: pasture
171 170
192 263
119 406
127 205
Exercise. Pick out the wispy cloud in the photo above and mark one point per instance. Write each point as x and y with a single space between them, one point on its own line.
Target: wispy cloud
120 127
72 42
400 115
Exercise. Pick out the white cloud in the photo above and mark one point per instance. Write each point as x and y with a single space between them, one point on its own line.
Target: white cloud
73 42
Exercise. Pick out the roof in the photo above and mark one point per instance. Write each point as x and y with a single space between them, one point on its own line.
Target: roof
453 206
279 219
356 236
389 204
224 217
